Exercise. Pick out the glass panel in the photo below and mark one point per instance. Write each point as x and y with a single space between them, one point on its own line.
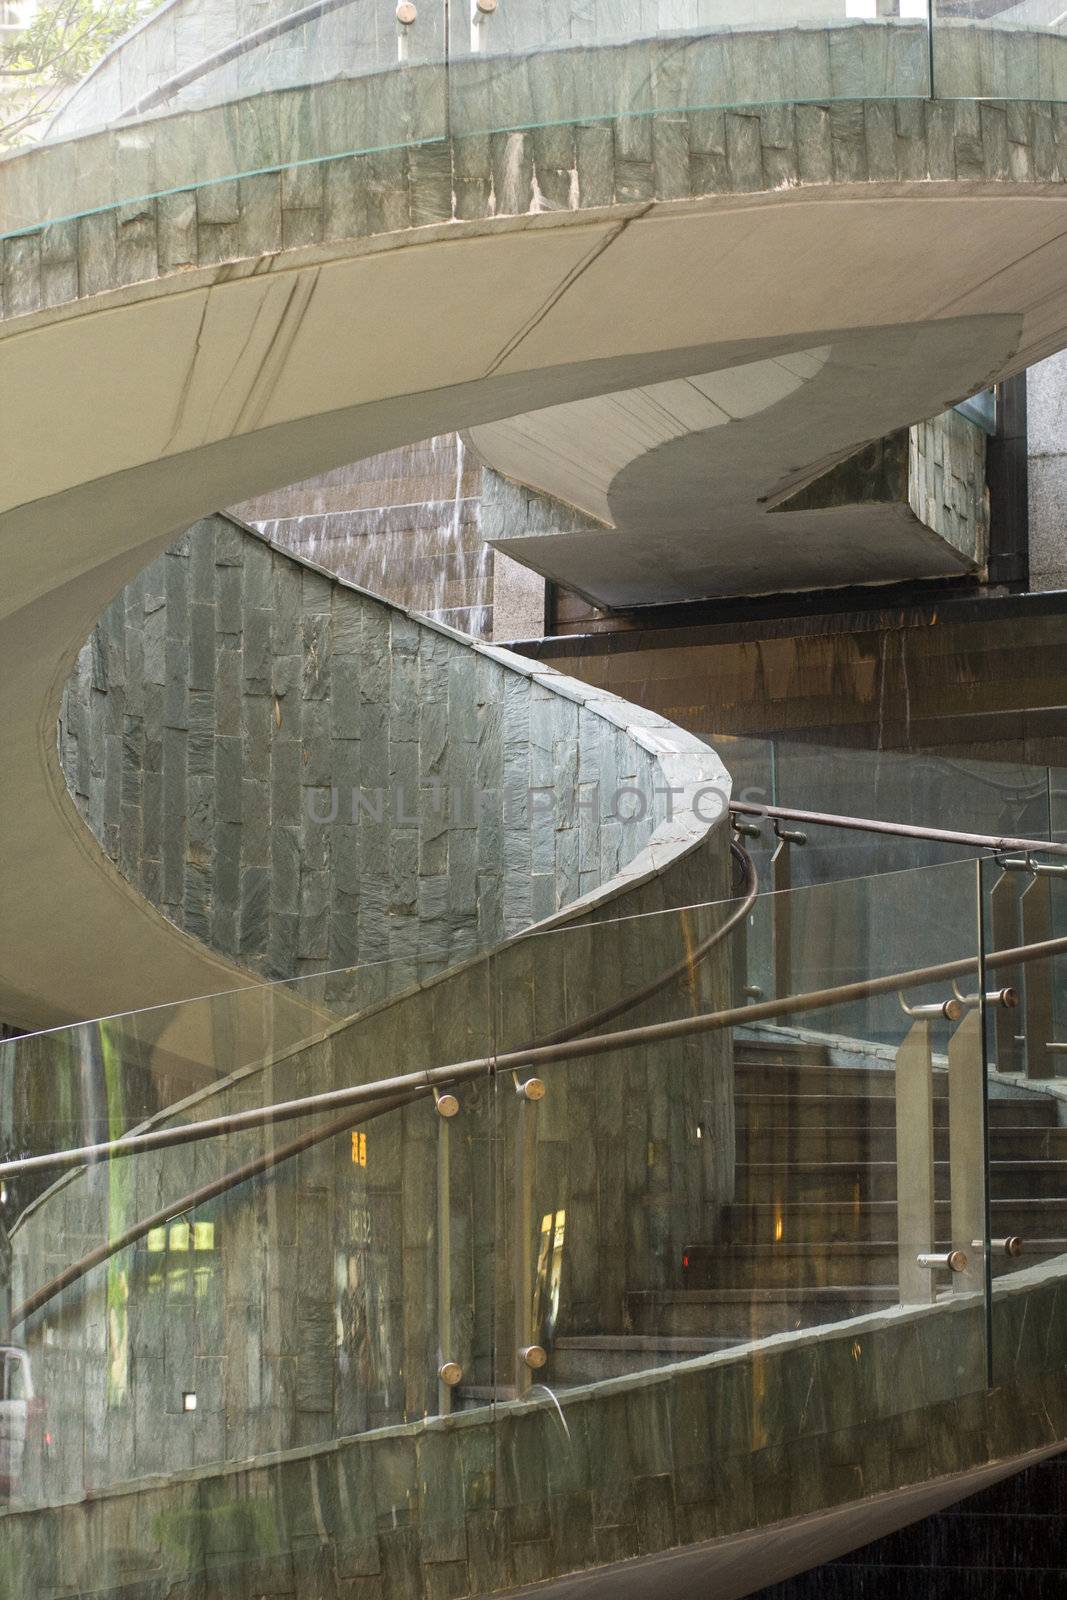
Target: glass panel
1027 1139
740 1226
265 1289
1004 49
733 1218
922 789
179 105
522 67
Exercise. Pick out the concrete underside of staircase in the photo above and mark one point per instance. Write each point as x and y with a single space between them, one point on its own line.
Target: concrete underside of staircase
180 386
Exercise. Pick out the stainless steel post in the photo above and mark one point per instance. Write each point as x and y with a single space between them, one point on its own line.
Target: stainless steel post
781 919
915 1165
1036 906
446 1366
1004 914
966 1149
528 1353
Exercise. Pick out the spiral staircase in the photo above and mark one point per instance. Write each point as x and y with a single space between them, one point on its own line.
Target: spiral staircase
653 1333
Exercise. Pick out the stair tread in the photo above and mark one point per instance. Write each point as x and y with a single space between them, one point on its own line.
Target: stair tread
998 1130
637 1342
1012 1163
744 1250
999 1103
785 1207
874 1082
758 1050
804 1292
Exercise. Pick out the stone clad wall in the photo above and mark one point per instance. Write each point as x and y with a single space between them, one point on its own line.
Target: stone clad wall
695 1452
308 1305
947 482
406 525
224 688
208 215
231 697
1046 421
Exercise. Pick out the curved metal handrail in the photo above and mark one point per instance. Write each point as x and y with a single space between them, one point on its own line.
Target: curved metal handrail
900 830
229 52
168 1137
682 968
364 1102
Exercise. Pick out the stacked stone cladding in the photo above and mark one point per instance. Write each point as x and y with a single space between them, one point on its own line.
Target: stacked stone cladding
306 778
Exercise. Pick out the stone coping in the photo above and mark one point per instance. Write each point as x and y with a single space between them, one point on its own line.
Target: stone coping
688 77
689 767
1044 1275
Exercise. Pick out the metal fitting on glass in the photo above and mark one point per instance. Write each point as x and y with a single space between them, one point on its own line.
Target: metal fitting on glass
951 1261
748 830
752 991
531 1089
405 16
447 1105
534 1356
790 835
950 1010
1037 869
1006 999
481 11
450 1373
1011 1246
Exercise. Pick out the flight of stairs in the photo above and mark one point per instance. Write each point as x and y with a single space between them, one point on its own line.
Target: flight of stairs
811 1235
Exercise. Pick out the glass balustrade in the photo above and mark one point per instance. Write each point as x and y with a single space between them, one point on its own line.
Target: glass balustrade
920 790
298 93
748 1172
613 1189
271 1287
1024 901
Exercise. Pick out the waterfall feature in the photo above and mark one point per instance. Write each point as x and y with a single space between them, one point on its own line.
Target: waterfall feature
406 525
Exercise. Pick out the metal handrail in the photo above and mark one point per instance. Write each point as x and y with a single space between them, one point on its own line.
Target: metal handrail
364 1102
353 1117
681 968
900 830
427 1079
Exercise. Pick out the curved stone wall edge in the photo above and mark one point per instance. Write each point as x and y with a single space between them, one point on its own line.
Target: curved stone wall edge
192 690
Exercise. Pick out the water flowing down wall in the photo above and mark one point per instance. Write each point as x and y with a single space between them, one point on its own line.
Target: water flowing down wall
406 525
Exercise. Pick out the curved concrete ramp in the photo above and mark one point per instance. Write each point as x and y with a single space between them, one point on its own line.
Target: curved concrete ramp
696 482
203 387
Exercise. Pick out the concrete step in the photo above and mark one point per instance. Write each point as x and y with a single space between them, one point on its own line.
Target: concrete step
773 1077
766 1143
794 1052
592 1357
812 1222
821 1264
764 1182
756 1112
743 1314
